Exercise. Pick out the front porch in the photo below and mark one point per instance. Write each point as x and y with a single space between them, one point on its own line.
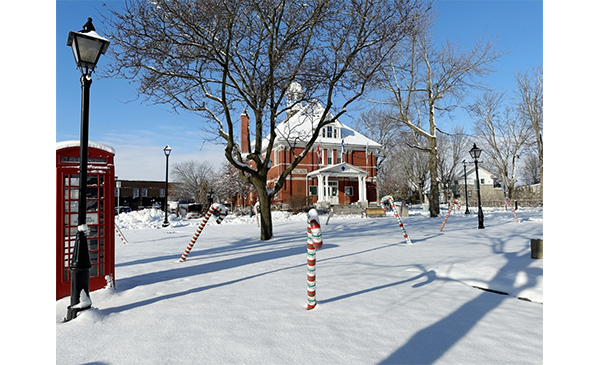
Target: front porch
330 179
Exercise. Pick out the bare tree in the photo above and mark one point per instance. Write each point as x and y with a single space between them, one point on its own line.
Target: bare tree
531 109
503 134
376 125
451 151
192 179
229 184
423 79
217 58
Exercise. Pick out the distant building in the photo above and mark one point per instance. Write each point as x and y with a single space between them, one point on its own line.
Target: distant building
491 188
139 194
340 168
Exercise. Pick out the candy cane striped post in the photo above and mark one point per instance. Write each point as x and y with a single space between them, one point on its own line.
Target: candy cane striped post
314 241
455 204
216 210
120 234
391 200
329 216
507 201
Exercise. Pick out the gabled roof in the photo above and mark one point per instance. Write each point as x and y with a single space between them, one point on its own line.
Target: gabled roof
471 170
341 169
300 127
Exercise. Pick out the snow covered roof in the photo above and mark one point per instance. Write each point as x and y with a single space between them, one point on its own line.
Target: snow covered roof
341 169
101 146
302 124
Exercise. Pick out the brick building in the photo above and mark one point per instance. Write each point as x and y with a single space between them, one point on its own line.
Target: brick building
138 194
338 170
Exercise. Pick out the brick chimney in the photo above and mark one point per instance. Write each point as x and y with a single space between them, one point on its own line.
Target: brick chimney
245 133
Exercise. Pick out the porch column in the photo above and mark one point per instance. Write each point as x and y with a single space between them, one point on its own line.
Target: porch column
319 188
326 188
361 189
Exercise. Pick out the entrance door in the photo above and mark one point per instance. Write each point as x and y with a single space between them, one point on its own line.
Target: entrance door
332 191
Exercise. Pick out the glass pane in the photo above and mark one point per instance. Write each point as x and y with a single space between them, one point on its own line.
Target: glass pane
101 179
92 180
74 206
92 206
94 257
93 233
92 193
94 270
74 193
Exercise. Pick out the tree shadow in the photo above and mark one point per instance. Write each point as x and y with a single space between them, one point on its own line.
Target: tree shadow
429 275
430 343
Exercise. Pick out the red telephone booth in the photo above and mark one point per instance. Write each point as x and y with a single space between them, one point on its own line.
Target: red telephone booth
100 213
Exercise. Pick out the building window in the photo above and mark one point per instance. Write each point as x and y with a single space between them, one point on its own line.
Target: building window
349 190
136 192
144 193
162 193
313 190
329 156
338 157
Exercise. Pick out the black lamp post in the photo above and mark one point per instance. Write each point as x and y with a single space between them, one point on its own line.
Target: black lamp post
167 151
87 47
475 153
466 191
210 197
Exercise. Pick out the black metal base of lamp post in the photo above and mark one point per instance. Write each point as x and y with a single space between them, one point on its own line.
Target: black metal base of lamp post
80 276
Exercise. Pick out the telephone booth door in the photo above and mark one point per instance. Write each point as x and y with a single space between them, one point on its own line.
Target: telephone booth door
100 213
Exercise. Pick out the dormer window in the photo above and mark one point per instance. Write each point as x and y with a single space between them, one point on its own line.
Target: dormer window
330 131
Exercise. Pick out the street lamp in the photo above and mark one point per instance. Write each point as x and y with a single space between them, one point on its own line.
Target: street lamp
167 151
466 191
87 47
475 153
209 195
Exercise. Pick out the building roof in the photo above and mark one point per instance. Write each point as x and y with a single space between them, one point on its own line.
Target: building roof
301 126
75 143
341 169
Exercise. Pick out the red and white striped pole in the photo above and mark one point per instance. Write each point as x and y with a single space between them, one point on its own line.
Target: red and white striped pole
216 210
455 204
398 219
120 234
507 201
314 241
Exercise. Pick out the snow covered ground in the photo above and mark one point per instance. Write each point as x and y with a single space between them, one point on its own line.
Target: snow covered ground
239 300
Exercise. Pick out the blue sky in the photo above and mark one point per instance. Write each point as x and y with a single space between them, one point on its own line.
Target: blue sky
139 131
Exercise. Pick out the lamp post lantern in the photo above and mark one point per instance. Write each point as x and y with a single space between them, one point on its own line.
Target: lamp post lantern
466 191
87 47
475 153
167 151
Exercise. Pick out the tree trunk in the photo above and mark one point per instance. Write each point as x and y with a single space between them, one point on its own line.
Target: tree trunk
266 222
434 190
434 195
